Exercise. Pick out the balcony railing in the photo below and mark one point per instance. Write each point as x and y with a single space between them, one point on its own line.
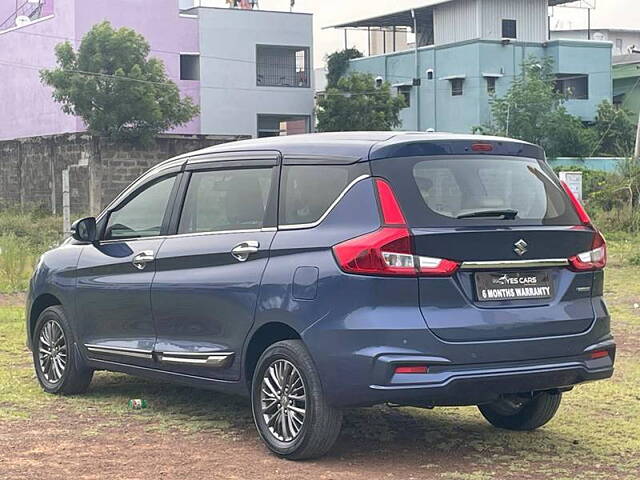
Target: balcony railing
29 9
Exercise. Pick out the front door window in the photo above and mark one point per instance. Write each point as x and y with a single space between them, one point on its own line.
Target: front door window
141 216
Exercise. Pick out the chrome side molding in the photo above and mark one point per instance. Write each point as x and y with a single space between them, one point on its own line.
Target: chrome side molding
120 351
206 359
541 263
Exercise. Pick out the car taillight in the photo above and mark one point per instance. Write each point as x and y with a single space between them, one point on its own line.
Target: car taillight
577 206
388 250
594 259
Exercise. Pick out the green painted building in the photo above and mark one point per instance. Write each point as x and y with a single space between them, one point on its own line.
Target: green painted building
626 82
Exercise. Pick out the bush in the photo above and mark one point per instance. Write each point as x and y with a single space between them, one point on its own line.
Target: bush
36 231
14 263
607 199
23 238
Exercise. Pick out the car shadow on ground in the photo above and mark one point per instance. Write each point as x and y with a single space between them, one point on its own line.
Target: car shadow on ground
368 434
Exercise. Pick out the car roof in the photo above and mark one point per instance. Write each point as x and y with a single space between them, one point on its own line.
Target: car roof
352 146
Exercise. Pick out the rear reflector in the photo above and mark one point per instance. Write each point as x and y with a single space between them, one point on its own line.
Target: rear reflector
594 259
582 213
412 369
388 250
599 354
482 147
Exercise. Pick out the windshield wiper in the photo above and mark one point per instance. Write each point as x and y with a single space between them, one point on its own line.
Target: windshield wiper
507 213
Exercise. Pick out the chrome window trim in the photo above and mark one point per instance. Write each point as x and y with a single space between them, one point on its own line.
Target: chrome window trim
234 156
501 264
185 235
299 226
125 352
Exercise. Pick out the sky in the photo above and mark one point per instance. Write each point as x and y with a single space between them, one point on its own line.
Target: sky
608 13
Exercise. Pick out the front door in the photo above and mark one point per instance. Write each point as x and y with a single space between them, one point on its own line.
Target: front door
208 275
114 277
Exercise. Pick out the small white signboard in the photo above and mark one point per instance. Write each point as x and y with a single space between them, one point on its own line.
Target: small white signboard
574 181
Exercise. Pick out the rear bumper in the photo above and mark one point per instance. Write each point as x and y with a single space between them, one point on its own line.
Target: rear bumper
474 385
357 367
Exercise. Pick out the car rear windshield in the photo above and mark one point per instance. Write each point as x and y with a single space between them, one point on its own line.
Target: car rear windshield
477 190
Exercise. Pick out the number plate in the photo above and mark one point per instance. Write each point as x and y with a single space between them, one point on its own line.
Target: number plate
501 286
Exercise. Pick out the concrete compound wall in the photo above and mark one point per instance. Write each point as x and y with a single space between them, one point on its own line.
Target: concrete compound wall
31 168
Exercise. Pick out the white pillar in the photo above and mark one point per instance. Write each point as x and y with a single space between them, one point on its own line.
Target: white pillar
66 203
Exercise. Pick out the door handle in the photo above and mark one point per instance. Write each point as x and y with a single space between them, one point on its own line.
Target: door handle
140 260
242 251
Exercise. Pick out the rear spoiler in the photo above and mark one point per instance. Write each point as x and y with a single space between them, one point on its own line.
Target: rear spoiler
425 148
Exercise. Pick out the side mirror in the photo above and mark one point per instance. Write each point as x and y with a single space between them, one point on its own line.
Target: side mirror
84 230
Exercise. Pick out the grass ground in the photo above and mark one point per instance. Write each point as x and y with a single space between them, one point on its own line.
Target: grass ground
188 433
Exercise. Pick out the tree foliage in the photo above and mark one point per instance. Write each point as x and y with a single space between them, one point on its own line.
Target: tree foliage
115 88
532 110
338 63
355 104
616 132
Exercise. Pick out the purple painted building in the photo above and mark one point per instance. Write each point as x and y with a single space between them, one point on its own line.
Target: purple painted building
239 79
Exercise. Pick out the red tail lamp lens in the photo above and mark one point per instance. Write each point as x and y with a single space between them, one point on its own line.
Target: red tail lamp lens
391 211
388 251
594 259
582 213
412 369
599 354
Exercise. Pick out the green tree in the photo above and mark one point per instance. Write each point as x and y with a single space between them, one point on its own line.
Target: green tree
338 64
115 88
615 131
532 110
357 104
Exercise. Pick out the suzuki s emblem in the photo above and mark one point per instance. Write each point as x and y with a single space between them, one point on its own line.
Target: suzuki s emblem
520 247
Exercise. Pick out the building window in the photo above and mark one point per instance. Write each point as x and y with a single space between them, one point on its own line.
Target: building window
429 74
189 66
509 29
491 85
282 66
573 86
405 92
282 125
457 87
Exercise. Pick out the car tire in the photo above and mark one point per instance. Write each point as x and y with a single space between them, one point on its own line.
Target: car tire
292 435
530 415
57 362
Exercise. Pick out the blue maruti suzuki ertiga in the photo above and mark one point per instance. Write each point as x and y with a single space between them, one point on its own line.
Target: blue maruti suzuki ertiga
319 272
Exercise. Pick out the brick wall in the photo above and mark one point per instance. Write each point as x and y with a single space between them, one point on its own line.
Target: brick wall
31 168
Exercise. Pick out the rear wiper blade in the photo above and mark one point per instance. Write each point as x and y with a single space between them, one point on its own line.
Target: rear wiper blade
507 213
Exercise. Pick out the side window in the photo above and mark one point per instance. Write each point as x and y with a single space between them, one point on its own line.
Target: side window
309 190
222 200
142 215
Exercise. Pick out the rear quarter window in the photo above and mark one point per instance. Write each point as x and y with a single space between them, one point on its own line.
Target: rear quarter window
308 191
448 191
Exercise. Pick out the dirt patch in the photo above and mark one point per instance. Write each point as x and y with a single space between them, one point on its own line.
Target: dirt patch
76 446
12 299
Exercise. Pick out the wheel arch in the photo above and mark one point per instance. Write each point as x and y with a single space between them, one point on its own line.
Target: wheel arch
262 338
40 304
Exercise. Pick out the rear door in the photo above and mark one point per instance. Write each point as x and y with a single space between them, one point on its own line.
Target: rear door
509 223
208 274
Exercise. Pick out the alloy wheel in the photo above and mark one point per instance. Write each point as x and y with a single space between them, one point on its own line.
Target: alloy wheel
283 400
52 351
